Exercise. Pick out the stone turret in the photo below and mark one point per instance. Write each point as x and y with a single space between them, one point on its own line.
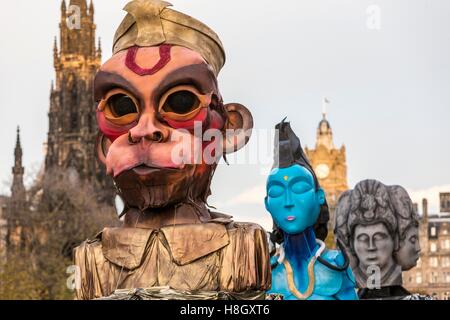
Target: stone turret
72 124
17 187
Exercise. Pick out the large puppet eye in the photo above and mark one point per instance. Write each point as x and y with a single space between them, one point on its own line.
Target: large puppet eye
119 107
275 191
183 103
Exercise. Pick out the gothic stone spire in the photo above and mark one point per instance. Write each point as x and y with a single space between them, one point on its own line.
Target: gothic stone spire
17 188
72 124
77 29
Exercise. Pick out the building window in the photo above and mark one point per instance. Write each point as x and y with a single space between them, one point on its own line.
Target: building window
433 231
434 262
447 277
434 277
419 263
445 262
433 247
418 277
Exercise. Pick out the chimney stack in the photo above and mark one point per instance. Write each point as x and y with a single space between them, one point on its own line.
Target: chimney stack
424 208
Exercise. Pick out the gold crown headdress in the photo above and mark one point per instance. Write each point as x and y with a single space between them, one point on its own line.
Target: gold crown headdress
151 23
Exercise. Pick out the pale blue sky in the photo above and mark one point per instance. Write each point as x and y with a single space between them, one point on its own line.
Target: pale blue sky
389 88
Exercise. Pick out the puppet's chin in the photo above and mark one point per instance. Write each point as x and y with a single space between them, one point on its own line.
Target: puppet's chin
146 187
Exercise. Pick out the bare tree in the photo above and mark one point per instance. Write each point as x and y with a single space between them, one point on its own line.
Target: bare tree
62 211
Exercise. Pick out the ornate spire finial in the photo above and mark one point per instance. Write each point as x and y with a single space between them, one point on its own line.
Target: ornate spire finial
99 48
17 188
81 3
91 8
55 52
18 150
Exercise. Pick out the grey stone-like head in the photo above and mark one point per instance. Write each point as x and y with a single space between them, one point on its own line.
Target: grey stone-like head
378 227
408 228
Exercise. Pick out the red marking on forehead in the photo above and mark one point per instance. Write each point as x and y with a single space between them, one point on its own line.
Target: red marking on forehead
164 54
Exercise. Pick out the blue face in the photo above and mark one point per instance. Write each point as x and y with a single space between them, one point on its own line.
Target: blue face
292 198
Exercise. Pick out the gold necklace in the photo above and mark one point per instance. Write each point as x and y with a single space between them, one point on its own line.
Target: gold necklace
290 279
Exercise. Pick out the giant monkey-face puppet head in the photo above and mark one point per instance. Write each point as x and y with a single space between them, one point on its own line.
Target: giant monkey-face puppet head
163 124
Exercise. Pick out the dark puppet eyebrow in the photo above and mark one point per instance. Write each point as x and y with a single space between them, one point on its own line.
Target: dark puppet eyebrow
106 81
200 75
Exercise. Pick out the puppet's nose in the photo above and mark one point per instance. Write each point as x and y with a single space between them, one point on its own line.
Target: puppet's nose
289 203
148 128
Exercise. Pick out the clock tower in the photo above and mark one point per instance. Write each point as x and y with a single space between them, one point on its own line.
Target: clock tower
329 164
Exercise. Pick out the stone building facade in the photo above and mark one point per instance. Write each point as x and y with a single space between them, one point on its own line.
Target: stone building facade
432 273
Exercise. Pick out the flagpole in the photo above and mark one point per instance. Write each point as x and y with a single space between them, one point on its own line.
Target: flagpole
325 102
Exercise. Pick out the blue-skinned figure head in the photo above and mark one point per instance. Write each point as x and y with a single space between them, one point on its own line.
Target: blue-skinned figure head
293 195
293 199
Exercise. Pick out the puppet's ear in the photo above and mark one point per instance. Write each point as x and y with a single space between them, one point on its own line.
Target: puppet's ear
238 127
103 144
321 196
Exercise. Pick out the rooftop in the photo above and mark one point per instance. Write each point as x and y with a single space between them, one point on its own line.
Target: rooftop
439 217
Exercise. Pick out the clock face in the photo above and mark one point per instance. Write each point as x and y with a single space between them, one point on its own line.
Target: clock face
322 171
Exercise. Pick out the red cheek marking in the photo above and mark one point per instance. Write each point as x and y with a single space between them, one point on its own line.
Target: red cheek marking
215 122
209 118
111 131
130 62
189 124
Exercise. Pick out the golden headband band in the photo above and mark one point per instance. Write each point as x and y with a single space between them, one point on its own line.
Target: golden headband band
151 23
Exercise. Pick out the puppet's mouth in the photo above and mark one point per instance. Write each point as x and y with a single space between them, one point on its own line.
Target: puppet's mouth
290 218
144 169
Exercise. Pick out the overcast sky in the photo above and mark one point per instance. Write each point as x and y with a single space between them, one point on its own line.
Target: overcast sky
388 81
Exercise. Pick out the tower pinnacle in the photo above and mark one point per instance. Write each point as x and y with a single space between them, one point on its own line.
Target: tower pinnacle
72 127
77 30
324 132
17 188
